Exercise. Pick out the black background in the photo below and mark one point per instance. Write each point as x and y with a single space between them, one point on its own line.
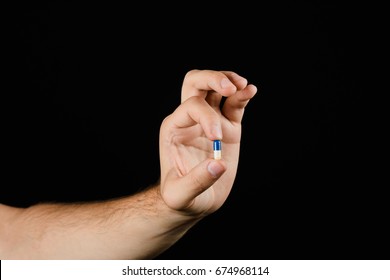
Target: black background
87 86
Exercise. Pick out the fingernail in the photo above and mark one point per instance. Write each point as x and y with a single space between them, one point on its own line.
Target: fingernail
215 169
225 83
217 131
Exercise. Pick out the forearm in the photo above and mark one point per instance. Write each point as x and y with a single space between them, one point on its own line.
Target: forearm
135 227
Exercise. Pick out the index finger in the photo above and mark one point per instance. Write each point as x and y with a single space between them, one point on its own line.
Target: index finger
201 82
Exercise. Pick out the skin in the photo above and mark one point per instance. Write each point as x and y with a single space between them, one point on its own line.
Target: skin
192 185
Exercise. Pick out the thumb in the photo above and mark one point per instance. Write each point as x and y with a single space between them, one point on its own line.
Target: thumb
180 192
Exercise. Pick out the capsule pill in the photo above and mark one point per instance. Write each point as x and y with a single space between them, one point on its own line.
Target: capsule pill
217 149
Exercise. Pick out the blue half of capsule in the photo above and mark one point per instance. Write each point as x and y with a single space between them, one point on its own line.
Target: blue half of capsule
217 145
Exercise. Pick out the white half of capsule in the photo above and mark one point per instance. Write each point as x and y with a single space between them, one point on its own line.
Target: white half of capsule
218 154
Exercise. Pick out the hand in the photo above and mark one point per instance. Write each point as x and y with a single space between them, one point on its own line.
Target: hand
212 107
141 226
